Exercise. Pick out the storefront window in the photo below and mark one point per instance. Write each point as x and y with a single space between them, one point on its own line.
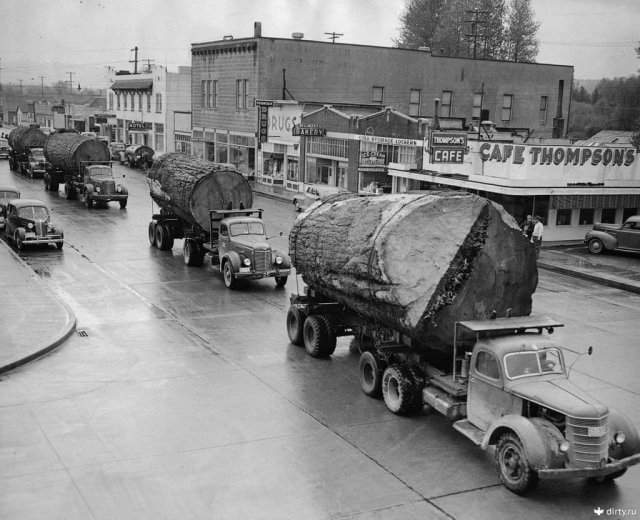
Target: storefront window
159 138
586 216
242 152
563 217
221 148
608 216
273 164
293 168
327 146
183 143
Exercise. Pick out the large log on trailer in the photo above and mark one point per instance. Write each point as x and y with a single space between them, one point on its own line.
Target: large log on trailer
67 151
22 138
416 263
189 187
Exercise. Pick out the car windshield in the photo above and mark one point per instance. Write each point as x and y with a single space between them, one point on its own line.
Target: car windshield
9 194
246 228
533 363
33 212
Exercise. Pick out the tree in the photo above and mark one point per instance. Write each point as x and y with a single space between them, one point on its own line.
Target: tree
521 41
419 22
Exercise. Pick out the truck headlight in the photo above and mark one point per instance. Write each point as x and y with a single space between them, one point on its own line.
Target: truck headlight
97 189
278 260
29 225
246 262
619 437
564 446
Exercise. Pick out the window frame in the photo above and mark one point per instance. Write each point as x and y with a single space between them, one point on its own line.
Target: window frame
563 212
414 106
477 106
374 98
446 109
588 220
544 108
507 108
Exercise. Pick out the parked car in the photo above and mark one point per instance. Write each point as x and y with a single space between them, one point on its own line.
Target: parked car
115 149
6 194
313 193
28 222
4 148
610 237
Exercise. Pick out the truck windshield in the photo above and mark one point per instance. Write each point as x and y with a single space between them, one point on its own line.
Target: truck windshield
533 363
33 213
9 194
100 172
246 228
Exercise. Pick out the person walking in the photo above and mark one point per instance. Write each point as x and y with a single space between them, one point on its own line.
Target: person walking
527 227
536 235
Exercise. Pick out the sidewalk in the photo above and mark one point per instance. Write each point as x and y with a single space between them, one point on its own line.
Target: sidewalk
33 320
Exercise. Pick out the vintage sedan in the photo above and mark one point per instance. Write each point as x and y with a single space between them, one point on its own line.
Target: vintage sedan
28 222
609 237
6 194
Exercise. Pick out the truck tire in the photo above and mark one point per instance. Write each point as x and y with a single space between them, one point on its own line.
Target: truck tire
370 369
281 281
123 203
400 392
295 322
164 240
228 275
595 246
316 335
152 233
192 253
513 467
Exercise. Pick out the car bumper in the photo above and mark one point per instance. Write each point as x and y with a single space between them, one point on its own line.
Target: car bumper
103 197
247 274
600 471
43 240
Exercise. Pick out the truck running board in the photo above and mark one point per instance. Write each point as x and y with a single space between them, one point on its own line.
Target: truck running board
469 430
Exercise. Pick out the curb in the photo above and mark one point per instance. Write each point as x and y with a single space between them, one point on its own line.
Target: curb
593 278
66 331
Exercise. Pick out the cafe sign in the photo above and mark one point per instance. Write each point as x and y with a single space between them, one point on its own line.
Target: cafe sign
447 147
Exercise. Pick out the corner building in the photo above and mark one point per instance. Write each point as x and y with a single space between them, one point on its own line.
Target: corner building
229 75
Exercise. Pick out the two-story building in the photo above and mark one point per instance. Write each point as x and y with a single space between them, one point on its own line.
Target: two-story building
147 106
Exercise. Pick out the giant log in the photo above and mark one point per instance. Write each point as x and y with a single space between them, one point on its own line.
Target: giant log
189 187
67 151
416 263
23 138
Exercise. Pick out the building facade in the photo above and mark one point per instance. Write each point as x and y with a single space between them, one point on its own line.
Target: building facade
142 107
229 76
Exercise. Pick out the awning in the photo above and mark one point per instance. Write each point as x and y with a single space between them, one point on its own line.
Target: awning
132 84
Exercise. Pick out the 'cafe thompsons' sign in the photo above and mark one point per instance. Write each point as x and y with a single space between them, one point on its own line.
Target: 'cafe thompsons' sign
556 155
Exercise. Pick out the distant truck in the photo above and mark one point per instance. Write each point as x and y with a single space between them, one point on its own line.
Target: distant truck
22 140
501 380
83 165
138 156
209 205
36 164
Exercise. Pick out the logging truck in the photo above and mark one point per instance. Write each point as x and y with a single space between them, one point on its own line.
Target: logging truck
209 206
25 142
83 165
501 381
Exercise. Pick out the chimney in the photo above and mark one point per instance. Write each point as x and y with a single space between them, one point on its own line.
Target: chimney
257 29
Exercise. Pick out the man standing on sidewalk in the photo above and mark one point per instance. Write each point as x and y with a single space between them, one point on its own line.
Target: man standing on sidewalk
536 236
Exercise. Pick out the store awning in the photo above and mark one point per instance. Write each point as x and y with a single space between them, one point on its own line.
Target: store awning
132 84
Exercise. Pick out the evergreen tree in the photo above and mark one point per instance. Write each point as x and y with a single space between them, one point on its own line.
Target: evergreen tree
419 23
521 41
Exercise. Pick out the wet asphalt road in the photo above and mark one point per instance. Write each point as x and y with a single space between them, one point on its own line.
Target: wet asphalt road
182 399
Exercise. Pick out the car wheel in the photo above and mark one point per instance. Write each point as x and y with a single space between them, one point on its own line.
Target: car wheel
595 246
228 275
281 281
295 321
511 460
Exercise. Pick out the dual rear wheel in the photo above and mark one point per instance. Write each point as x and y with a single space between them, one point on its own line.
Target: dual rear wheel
313 332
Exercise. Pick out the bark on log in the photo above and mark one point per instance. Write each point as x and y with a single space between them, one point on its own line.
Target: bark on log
417 263
189 187
24 137
68 150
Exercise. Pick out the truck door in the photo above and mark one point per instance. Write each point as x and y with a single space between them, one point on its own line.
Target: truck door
223 239
486 399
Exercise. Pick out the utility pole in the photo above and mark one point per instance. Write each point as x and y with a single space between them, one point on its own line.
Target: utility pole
0 73
475 22
333 36
135 59
148 67
42 86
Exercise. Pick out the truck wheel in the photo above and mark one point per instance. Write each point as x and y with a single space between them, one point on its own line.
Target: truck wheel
595 246
295 322
164 240
281 281
399 390
331 337
370 369
229 276
315 334
152 233
59 245
513 466
192 253
88 201
123 203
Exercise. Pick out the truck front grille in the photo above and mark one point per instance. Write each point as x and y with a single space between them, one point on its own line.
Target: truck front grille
262 260
108 187
589 440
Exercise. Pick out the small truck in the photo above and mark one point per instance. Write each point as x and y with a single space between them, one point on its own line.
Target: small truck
236 242
506 386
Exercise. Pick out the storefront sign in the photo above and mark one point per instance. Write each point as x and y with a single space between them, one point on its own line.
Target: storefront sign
263 124
372 158
556 155
281 122
138 125
308 131
447 147
396 141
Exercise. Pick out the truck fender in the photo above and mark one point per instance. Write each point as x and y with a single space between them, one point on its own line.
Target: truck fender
234 258
21 232
533 440
620 423
286 261
88 188
608 241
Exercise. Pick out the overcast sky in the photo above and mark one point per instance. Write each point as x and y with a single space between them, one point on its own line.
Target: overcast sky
51 38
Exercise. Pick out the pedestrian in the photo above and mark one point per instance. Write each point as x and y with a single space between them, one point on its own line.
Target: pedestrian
536 235
527 227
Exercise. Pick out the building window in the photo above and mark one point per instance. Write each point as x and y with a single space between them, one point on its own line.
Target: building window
487 365
586 216
241 93
377 95
140 101
159 137
477 107
158 102
608 216
507 104
563 217
118 101
414 102
628 212
446 104
544 102
124 97
203 93
214 93
110 100
245 92
148 102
